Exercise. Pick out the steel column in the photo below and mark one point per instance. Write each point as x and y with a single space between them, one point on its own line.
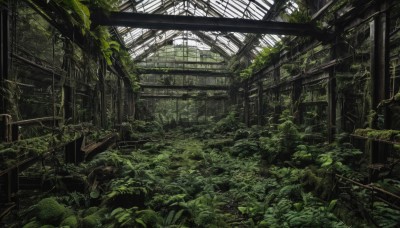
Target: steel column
260 100
4 56
380 77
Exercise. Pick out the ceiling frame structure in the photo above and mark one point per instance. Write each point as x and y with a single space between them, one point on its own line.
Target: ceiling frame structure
232 29
245 44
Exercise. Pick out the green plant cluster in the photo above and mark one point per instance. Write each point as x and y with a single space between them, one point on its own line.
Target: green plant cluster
263 58
78 13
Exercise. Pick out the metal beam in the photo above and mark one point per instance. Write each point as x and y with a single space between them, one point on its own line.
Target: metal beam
186 87
169 71
223 63
184 97
172 22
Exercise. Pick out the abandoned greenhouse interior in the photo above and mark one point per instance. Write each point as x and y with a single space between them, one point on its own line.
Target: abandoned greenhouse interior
199 113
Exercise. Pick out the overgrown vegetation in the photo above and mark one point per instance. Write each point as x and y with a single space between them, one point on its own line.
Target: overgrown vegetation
229 177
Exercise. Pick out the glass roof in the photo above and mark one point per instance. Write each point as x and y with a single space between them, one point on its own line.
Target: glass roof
142 42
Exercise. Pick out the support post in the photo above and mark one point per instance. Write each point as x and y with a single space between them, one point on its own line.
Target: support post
103 108
73 152
332 98
120 101
380 77
260 104
278 109
68 105
246 105
4 56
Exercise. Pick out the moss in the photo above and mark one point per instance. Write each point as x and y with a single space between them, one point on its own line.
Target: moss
68 212
378 134
49 211
90 221
71 221
383 134
32 224
362 132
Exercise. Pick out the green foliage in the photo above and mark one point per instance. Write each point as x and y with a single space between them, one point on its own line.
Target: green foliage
283 142
228 124
106 44
263 58
133 217
244 148
79 12
127 188
130 67
385 216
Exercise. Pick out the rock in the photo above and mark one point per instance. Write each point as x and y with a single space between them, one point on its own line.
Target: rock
49 211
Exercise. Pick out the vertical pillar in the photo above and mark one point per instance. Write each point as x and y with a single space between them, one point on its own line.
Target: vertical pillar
120 101
332 99
260 104
4 56
277 79
380 77
206 110
103 108
68 104
246 105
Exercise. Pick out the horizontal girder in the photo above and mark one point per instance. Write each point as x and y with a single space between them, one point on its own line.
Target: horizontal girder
195 23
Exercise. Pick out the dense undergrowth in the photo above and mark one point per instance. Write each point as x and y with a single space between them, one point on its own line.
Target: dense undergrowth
220 175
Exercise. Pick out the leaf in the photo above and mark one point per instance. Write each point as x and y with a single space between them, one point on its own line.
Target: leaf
95 194
243 210
177 216
116 211
332 205
141 222
327 162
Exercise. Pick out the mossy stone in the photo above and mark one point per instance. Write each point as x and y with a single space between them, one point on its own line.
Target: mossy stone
91 221
49 211
32 224
71 221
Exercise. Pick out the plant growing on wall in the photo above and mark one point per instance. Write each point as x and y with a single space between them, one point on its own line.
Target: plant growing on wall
263 58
